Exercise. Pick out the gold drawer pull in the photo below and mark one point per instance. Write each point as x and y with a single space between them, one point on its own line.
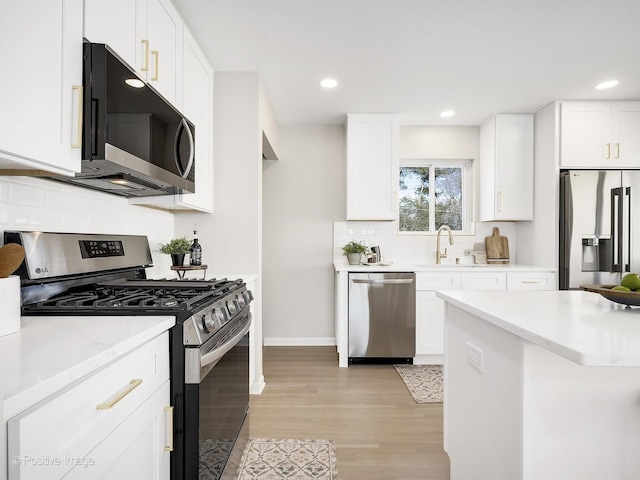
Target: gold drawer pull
530 281
132 385
169 411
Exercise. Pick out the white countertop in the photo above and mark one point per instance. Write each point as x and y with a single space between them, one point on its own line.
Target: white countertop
49 353
581 326
343 266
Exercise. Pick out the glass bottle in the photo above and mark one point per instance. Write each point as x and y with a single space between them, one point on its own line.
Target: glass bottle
196 251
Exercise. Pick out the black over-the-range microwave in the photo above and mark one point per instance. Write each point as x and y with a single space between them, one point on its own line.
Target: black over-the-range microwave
134 142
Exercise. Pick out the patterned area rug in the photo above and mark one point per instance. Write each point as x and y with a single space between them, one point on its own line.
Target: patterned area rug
423 381
269 459
213 457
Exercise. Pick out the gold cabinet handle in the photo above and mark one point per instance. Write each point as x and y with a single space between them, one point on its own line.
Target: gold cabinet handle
156 55
145 68
617 150
78 143
500 201
169 412
529 281
133 384
608 151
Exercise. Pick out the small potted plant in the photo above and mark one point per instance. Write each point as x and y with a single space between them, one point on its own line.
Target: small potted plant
177 248
354 251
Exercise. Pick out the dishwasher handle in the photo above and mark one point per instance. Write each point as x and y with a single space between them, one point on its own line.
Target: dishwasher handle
386 281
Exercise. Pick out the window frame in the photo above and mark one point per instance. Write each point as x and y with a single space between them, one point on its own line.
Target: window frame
468 202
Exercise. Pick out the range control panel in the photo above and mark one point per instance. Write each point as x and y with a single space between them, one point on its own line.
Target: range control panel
101 248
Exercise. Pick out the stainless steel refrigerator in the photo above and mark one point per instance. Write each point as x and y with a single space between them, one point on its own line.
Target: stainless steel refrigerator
599 226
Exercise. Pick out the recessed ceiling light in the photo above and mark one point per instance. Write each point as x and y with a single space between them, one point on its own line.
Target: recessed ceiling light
134 82
328 83
607 84
448 113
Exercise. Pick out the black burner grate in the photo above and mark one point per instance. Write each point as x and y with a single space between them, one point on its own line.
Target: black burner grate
138 295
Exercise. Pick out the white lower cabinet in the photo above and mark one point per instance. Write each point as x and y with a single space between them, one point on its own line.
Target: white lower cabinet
115 423
430 308
430 313
532 281
429 323
484 281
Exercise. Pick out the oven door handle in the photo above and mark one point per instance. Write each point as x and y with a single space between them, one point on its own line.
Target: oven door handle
218 353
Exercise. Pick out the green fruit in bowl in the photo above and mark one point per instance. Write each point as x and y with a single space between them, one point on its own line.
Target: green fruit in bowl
621 288
631 281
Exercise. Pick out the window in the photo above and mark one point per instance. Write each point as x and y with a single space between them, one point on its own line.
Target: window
434 193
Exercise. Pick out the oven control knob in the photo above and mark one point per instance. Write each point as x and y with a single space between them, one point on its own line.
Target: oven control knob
241 301
232 307
220 317
205 324
209 323
248 296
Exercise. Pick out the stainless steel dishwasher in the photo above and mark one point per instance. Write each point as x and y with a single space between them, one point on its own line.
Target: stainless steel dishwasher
382 317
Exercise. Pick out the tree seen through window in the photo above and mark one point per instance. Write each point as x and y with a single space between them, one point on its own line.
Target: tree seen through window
430 196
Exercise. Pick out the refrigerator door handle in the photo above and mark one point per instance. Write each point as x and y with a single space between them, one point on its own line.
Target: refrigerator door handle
627 250
617 219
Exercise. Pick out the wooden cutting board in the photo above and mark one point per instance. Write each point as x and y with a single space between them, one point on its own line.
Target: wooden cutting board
11 256
497 247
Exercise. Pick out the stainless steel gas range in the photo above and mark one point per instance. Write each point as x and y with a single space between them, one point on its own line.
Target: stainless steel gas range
92 274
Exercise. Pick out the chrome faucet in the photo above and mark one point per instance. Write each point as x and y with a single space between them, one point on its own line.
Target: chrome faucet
439 255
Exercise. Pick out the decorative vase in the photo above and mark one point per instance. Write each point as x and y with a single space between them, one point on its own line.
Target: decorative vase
177 259
354 258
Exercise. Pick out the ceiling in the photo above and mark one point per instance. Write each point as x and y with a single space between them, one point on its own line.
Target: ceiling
420 57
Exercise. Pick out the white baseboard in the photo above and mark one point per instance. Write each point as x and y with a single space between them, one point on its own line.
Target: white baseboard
257 386
299 341
428 360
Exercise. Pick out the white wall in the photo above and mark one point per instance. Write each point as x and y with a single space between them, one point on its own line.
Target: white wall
303 194
230 238
30 203
455 143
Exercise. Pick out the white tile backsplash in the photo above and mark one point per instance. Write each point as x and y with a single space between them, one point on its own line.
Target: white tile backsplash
419 249
30 203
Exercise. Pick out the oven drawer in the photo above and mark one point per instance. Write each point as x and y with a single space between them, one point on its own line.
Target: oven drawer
58 434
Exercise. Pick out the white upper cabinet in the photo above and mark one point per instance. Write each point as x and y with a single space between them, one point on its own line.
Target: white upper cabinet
506 168
41 85
197 106
372 167
600 134
197 101
147 34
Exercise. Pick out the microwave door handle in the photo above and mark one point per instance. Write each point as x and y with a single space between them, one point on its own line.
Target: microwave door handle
94 128
184 126
192 148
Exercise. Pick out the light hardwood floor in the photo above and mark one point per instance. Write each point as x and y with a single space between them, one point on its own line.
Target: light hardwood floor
379 430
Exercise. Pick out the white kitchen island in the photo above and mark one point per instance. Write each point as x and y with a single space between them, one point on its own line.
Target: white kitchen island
541 386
